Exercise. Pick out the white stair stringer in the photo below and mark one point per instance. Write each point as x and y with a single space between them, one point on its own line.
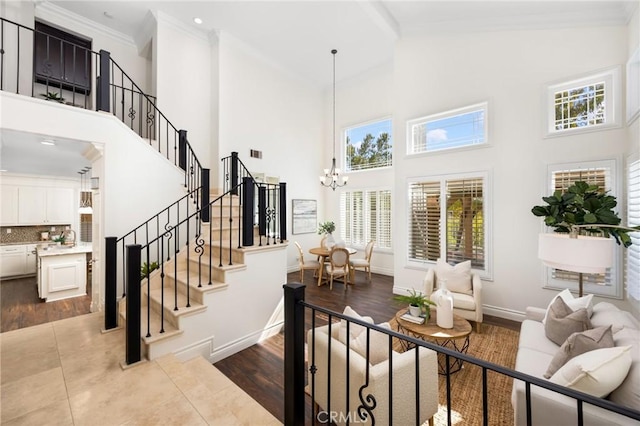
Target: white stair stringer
239 305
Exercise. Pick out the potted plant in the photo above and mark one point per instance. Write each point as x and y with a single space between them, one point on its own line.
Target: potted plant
583 204
327 228
146 269
52 96
418 303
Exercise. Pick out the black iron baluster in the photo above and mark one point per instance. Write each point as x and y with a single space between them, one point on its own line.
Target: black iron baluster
230 230
485 398
148 269
221 219
188 260
210 208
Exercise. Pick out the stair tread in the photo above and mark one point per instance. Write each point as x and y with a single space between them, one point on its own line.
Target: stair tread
193 281
169 299
155 326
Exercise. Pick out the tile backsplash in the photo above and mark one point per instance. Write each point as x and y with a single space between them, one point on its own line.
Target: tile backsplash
28 234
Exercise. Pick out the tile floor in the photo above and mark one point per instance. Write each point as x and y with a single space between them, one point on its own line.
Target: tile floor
68 373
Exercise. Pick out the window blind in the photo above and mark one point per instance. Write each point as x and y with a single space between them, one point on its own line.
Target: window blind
365 216
633 219
465 228
424 230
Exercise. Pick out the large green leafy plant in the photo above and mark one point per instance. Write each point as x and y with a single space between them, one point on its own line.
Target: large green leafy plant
583 204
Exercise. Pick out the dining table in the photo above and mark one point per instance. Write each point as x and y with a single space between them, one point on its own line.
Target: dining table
323 253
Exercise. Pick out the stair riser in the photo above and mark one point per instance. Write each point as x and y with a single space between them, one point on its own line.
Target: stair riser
226 212
225 232
216 273
182 287
168 308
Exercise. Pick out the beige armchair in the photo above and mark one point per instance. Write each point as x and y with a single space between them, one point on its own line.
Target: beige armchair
468 306
403 376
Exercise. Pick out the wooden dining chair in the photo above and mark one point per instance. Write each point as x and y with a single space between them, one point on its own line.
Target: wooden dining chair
304 265
338 266
365 263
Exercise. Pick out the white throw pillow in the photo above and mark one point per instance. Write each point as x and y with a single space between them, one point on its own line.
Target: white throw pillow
458 277
378 345
574 303
354 329
628 393
597 372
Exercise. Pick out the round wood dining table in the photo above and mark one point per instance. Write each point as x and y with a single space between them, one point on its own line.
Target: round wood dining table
324 252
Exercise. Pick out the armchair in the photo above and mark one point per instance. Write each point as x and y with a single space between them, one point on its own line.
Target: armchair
403 401
468 306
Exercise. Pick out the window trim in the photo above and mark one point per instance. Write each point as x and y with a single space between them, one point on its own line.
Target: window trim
362 124
485 274
483 106
366 224
613 96
615 291
633 219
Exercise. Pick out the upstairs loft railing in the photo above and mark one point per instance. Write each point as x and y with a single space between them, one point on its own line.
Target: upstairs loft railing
38 64
185 253
299 316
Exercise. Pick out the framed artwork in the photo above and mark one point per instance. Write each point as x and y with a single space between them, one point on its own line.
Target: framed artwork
633 87
305 216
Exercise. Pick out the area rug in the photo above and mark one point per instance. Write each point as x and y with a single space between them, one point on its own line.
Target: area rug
497 345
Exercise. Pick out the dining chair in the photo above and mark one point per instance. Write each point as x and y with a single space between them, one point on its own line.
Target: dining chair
304 265
338 266
365 263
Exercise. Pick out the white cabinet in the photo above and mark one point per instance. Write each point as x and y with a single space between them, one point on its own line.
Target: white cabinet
9 204
62 273
31 264
41 205
13 260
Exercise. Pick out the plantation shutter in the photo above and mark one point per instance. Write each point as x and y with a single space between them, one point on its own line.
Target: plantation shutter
633 218
562 180
345 217
372 201
384 220
366 216
465 228
424 217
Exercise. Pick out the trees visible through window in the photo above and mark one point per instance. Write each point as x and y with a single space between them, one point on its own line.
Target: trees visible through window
585 103
366 216
369 146
447 219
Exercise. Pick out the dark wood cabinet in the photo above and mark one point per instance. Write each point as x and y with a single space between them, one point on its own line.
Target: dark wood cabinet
61 59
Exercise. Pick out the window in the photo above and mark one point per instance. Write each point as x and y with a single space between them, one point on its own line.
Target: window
600 173
459 128
448 220
369 146
633 219
587 103
365 216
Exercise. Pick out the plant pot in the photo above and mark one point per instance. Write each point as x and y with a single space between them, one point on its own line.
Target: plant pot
415 310
330 241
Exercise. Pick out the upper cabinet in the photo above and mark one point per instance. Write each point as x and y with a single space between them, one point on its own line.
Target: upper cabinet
62 59
32 202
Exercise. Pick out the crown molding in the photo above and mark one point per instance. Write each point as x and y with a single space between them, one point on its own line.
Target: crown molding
165 18
58 15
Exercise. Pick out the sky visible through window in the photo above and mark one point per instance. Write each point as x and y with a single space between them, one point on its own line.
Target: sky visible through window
456 131
357 134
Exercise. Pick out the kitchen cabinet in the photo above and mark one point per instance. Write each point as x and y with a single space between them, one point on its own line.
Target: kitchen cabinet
9 204
13 260
62 272
31 264
41 205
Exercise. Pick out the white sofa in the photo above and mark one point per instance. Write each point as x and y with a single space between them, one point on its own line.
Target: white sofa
403 377
535 352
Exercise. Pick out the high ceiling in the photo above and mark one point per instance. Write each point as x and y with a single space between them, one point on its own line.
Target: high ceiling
298 36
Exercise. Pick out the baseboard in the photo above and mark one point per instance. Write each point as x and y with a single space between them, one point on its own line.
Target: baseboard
499 312
202 348
237 345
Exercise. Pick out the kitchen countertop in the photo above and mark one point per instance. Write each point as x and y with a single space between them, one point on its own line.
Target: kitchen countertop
55 250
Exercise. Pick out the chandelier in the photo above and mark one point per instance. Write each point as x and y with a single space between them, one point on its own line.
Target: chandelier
331 177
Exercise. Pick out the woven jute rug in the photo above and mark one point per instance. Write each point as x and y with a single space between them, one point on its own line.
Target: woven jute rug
497 345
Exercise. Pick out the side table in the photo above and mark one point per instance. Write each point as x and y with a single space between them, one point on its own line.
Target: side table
456 338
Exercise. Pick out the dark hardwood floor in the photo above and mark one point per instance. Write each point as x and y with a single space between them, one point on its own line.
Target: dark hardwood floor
259 370
21 307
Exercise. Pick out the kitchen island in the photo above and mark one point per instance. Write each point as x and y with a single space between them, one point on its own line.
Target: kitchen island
62 271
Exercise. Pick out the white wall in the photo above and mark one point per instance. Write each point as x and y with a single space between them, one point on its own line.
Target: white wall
182 68
262 107
509 69
364 98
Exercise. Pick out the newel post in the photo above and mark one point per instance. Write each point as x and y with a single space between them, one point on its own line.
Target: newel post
182 149
103 101
248 194
204 196
282 214
294 371
234 173
132 330
110 283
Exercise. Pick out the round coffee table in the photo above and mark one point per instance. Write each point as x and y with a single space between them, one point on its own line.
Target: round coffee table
456 338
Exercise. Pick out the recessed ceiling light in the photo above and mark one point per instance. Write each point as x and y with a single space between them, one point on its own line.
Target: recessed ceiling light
3 170
48 142
197 21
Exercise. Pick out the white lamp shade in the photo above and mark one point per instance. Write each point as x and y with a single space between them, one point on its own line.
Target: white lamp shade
590 255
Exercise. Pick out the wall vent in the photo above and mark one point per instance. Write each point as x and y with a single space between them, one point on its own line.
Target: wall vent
255 153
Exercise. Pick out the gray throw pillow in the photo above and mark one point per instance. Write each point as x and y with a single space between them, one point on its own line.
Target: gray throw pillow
562 322
579 343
